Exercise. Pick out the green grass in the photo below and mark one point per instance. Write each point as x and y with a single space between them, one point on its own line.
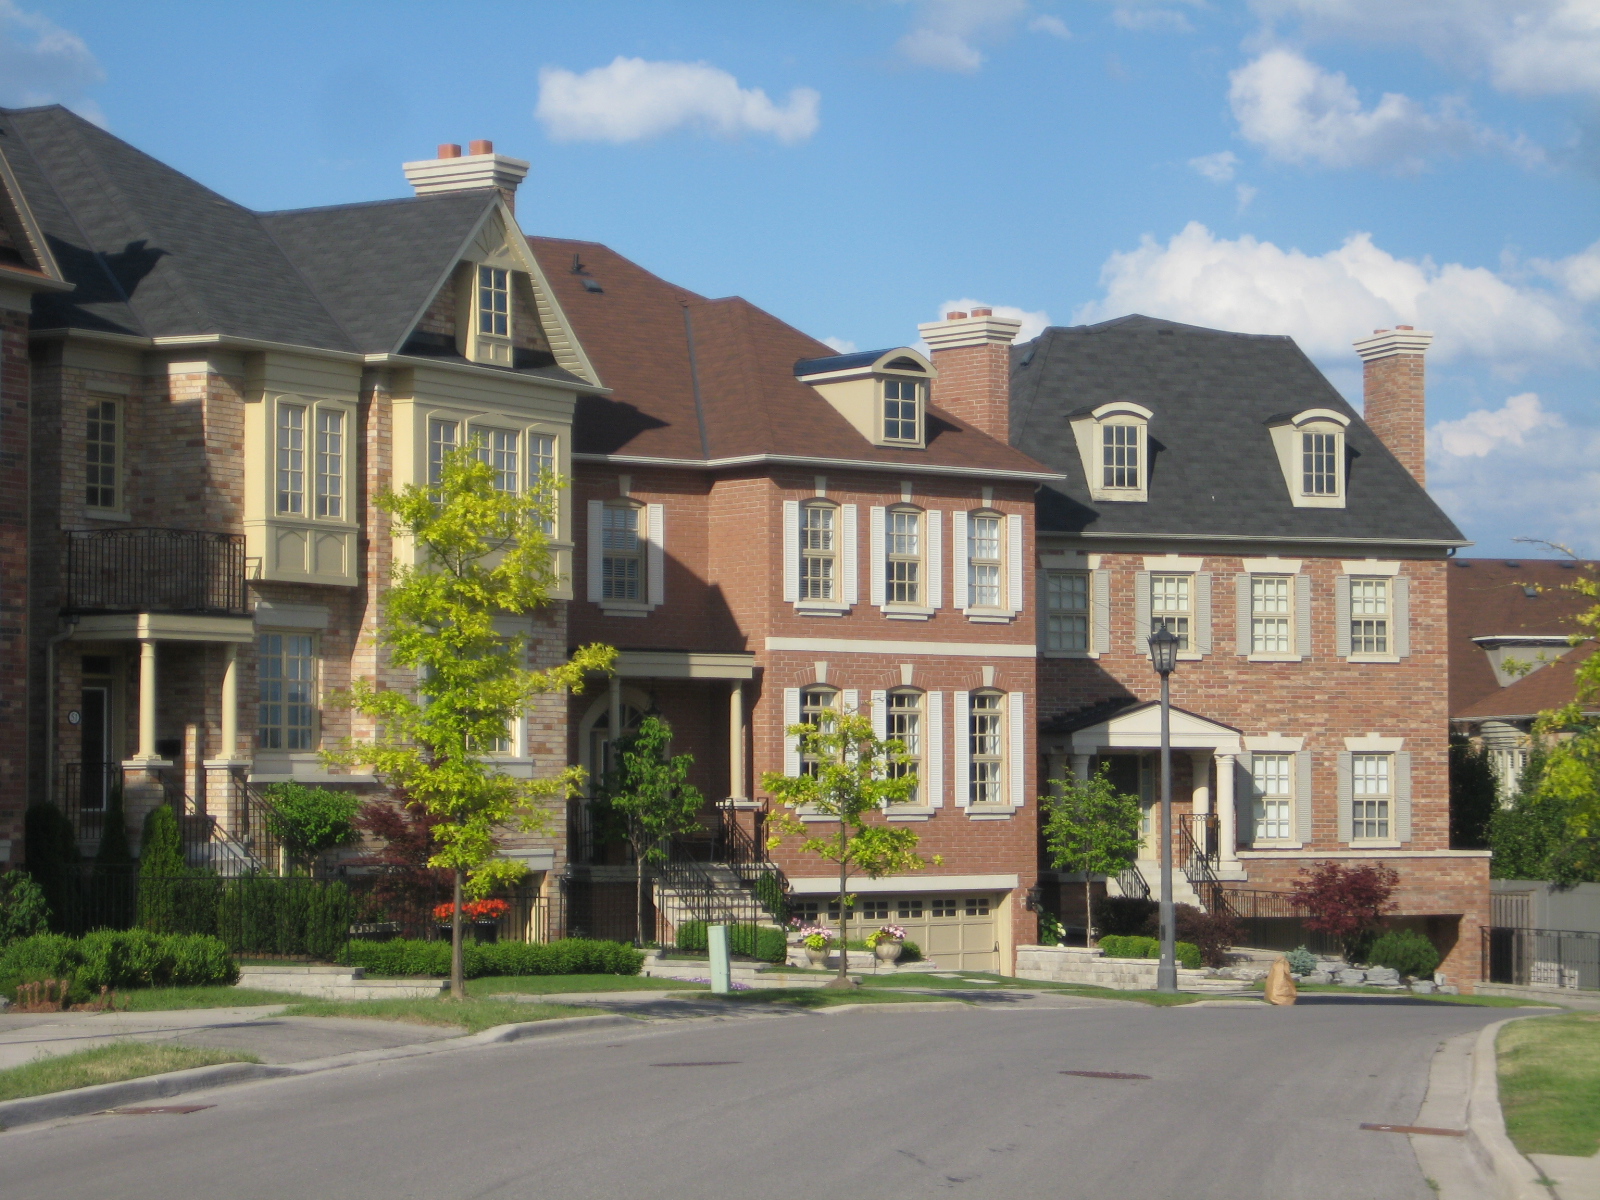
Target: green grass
813 997
1436 998
107 1064
165 999
1550 1084
472 1014
551 985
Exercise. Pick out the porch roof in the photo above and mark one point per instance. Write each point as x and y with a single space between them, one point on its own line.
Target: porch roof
1137 725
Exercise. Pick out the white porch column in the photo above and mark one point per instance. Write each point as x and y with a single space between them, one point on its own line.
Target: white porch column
1200 762
1227 815
230 702
736 740
1080 767
147 704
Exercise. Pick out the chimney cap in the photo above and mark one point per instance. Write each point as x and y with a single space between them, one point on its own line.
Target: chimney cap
449 150
1385 343
481 146
958 329
983 312
955 316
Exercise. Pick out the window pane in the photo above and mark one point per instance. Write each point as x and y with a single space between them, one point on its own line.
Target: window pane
1320 464
1269 615
330 463
904 565
494 301
620 567
987 760
100 455
541 471
1169 606
899 411
499 448
1369 616
1067 610
286 673
816 708
441 440
1370 777
1272 794
983 561
904 721
292 459
1119 456
816 552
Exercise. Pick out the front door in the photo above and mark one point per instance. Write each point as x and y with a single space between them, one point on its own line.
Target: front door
1131 775
95 752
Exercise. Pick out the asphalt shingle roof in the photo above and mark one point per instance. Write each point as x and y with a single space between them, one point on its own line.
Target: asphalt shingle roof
1213 470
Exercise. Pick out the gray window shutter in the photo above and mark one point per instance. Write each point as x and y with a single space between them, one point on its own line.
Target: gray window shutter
1302 615
876 549
1241 633
655 553
791 744
1141 613
848 591
933 753
1402 796
934 558
1202 612
1244 800
1402 616
791 550
1100 614
1346 792
1302 797
1341 618
851 700
596 523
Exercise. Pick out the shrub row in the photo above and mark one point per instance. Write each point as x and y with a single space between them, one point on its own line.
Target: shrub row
116 959
752 941
1407 951
570 956
1138 946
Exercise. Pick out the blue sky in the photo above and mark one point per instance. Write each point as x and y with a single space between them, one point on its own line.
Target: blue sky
1314 167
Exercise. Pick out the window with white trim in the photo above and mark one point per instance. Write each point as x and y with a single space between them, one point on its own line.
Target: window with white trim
903 721
621 553
102 455
291 459
986 738
443 437
1172 605
900 410
1273 796
330 462
1271 614
903 556
541 473
500 448
494 301
1372 795
1508 765
1067 610
1369 616
1319 463
985 559
286 675
818 552
1120 447
818 706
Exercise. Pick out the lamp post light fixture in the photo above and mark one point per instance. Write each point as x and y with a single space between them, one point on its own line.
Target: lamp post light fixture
1164 657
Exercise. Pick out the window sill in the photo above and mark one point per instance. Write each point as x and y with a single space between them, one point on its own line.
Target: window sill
1267 847
907 612
821 608
1275 657
105 514
991 616
614 609
1374 844
988 812
1372 658
1069 654
898 813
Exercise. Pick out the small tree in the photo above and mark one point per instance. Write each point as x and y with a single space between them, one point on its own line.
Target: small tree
480 553
1474 794
854 778
406 847
650 798
309 820
23 909
52 850
1347 903
161 870
1093 828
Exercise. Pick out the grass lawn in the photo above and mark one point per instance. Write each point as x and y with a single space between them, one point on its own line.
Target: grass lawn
983 981
814 997
107 1064
551 985
165 999
472 1014
1550 1083
1471 1001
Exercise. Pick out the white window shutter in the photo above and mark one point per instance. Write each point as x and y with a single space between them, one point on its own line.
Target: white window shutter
850 699
1402 616
1202 612
1014 562
1017 749
880 715
1141 613
958 565
1302 616
1302 797
1100 616
596 534
1402 796
876 548
1341 618
935 558
849 593
791 551
933 753
962 734
791 744
1346 797
1241 614
655 556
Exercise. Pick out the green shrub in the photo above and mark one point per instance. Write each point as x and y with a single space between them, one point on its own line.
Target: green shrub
309 820
23 908
1407 951
52 849
161 871
43 956
1188 955
910 951
1138 946
773 898
133 958
692 936
264 915
569 956
1051 931
1301 961
1123 916
1214 932
759 942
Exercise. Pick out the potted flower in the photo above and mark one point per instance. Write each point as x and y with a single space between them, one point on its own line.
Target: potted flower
484 915
816 939
886 942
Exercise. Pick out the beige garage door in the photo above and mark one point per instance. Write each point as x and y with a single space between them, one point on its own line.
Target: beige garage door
957 930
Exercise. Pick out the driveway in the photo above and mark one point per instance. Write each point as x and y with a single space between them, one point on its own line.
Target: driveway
1240 1103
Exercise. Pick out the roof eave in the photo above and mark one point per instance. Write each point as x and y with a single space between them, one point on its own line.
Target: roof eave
483 372
802 460
1443 543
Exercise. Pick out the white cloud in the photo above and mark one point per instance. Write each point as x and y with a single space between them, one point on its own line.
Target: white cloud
840 345
1326 301
947 33
1579 274
1218 167
1487 429
41 63
1528 47
633 99
1033 323
1148 18
1300 113
1054 26
1245 194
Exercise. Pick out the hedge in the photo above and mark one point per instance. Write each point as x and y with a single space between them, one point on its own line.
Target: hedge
132 958
753 941
569 956
1136 946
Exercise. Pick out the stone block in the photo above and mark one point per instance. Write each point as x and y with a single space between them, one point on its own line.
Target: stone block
1317 977
1351 977
1382 975
1424 987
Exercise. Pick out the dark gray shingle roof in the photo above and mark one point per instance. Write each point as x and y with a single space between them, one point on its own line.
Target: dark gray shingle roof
1213 469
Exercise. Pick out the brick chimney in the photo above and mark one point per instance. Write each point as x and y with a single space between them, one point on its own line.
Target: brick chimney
1394 394
973 357
478 169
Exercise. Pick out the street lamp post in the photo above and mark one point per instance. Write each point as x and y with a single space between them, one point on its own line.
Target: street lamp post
1164 657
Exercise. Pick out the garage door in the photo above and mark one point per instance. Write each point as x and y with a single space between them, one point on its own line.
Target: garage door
957 930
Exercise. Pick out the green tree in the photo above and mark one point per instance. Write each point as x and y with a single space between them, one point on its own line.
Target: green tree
114 849
1474 794
1093 828
309 820
52 850
161 870
649 797
1531 838
479 553
854 778
23 908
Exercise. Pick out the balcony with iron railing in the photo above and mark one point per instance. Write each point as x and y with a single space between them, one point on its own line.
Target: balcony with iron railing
155 570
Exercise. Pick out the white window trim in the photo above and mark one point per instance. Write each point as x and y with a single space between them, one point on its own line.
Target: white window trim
1399 610
1201 615
1400 796
280 754
1013 755
921 406
312 406
1286 442
928 559
1086 431
845 557
652 531
1042 586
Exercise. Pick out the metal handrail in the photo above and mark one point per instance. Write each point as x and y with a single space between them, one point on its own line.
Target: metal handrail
155 570
1133 883
1196 855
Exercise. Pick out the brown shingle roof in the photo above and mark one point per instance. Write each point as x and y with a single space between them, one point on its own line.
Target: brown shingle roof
637 332
1548 687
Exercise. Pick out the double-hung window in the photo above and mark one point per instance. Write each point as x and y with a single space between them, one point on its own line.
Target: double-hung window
903 721
1271 609
1274 796
903 557
1067 610
494 301
286 673
900 410
541 475
499 448
985 731
330 462
818 552
1119 456
1508 765
818 706
443 437
983 559
622 553
1369 616
1172 605
1372 779
1319 464
101 456
291 460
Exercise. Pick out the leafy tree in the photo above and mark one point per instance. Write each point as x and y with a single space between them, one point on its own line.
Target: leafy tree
1532 839
1093 828
161 870
52 849
854 779
309 820
1348 903
23 909
480 553
1474 794
406 845
650 799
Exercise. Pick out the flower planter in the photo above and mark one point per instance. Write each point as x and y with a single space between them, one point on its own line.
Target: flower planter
817 958
888 951
486 931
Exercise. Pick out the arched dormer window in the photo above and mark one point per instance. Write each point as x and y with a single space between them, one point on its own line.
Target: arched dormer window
1114 445
1311 455
883 393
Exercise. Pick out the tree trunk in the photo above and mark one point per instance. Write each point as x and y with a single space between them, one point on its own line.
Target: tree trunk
842 980
1088 910
638 895
458 986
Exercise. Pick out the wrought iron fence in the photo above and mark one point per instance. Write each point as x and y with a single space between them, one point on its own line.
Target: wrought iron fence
1563 959
1273 921
155 570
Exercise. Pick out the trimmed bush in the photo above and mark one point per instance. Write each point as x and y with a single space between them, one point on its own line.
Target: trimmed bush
691 935
261 915
1407 951
1213 932
52 849
43 956
1138 946
161 871
760 942
569 956
23 909
1123 916
117 959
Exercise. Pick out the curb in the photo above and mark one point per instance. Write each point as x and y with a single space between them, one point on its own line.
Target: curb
1486 1126
908 1006
501 1034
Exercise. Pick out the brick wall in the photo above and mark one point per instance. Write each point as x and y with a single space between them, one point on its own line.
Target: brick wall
15 385
974 384
1395 408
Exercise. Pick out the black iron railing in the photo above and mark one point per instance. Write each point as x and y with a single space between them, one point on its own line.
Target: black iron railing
1563 959
1133 883
155 570
1197 855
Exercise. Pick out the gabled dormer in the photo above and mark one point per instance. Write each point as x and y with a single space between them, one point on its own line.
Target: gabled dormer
1114 444
883 393
1311 455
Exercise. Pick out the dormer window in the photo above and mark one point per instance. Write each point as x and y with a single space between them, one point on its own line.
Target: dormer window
494 301
901 416
1119 456
882 393
1113 444
1319 454
1310 448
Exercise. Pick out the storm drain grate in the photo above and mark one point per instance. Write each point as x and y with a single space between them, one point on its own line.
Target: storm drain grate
729 1063
1426 1129
1103 1074
159 1110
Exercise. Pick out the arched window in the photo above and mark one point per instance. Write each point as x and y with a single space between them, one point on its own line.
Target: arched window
903 550
818 706
986 740
904 721
985 560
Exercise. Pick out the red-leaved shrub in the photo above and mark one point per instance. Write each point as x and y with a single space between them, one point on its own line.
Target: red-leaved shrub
1346 902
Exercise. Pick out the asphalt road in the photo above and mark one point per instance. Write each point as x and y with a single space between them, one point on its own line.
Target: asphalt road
1242 1102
